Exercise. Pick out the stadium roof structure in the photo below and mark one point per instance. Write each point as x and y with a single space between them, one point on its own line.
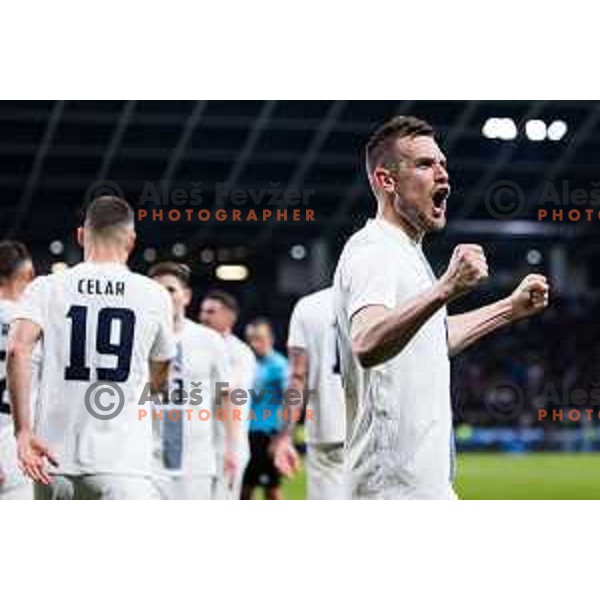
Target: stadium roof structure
52 153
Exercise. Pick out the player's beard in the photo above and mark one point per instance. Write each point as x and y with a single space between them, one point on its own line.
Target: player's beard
418 218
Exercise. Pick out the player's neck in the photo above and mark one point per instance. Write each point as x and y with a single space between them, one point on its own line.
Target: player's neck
100 253
179 322
9 292
389 215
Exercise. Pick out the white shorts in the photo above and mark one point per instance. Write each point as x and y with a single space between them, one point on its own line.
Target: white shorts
22 491
98 487
406 493
186 487
326 476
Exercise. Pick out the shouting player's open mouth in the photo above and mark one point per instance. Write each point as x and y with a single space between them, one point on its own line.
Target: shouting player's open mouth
439 201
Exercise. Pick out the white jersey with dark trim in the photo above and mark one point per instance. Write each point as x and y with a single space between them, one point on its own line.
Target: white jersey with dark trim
101 325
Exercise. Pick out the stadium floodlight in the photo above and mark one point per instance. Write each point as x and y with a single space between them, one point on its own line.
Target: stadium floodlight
57 267
499 128
490 128
535 130
534 257
232 272
57 247
298 252
179 249
149 255
507 129
557 130
207 255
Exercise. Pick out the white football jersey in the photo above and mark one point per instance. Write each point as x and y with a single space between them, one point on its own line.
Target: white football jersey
187 444
400 442
243 371
101 325
312 328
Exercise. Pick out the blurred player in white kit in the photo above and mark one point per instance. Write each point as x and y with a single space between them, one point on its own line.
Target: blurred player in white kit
394 334
16 271
314 367
191 467
107 333
219 311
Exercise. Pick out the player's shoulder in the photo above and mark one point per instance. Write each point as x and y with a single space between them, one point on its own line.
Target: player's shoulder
366 242
316 299
313 306
203 334
7 309
142 284
240 346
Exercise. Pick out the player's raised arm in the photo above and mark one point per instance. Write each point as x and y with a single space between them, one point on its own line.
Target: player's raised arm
529 298
379 333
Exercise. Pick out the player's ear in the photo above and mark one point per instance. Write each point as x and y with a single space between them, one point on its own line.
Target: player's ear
80 236
130 241
384 179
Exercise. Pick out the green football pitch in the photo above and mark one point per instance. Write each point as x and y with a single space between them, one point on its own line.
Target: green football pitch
539 476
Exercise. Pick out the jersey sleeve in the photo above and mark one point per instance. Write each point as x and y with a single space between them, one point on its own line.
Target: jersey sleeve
33 304
164 346
297 333
367 281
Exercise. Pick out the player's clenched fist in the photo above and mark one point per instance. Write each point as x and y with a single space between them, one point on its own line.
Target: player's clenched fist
467 268
530 297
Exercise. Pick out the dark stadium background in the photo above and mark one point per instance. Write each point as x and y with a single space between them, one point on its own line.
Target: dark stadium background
53 152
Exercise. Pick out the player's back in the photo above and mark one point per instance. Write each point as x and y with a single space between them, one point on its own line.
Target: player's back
101 325
313 328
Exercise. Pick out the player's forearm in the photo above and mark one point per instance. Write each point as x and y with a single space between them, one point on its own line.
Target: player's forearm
386 335
18 369
297 385
467 328
232 426
159 372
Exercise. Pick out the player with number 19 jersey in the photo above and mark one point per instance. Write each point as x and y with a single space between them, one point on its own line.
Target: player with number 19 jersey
101 324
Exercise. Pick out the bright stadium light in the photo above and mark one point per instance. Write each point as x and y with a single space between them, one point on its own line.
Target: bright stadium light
535 130
57 267
557 130
57 247
298 252
534 257
149 254
502 129
232 272
490 128
179 250
507 130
